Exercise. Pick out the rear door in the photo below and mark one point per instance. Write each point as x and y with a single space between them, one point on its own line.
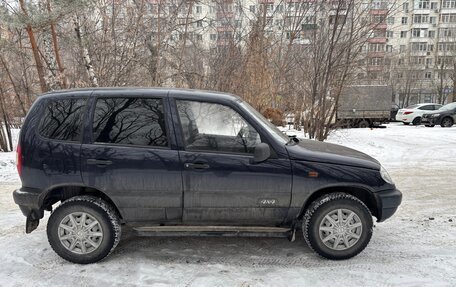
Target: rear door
129 155
221 184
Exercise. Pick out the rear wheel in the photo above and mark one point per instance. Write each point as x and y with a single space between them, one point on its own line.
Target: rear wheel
446 122
337 226
83 229
416 121
363 124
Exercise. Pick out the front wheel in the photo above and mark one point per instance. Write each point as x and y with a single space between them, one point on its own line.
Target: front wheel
446 122
83 229
337 226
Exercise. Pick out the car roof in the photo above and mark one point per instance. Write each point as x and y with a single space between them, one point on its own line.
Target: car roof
135 91
423 104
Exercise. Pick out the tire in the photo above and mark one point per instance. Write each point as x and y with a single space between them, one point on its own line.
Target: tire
405 123
315 219
363 124
416 121
447 122
90 244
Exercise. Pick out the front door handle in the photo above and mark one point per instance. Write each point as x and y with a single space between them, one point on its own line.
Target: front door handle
196 165
98 162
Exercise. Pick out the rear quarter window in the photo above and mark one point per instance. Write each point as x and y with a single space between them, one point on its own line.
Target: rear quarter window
62 119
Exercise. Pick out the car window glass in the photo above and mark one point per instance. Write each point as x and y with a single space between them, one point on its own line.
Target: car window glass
62 119
215 127
427 107
436 107
130 121
449 106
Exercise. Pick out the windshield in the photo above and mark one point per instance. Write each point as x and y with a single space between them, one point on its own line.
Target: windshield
412 107
272 129
448 106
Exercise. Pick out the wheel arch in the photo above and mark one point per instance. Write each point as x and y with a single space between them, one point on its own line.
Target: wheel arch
66 191
362 193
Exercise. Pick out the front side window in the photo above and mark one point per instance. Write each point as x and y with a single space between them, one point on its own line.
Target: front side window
215 127
130 121
62 119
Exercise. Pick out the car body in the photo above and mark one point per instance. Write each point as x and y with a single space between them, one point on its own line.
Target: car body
413 114
445 116
177 162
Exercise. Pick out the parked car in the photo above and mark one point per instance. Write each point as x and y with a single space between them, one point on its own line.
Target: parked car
182 162
414 113
445 116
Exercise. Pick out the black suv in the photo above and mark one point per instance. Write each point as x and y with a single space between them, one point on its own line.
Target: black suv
182 162
445 116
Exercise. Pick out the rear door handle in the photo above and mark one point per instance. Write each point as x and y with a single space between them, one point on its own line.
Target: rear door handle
196 165
98 162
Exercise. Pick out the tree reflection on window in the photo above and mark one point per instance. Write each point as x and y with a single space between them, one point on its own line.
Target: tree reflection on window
131 121
62 119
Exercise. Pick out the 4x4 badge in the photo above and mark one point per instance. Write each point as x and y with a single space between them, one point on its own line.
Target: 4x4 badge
268 202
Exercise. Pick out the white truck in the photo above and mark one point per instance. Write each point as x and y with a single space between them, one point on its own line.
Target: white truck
364 106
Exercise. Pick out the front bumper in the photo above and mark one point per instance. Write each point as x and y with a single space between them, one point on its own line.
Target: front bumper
431 121
387 203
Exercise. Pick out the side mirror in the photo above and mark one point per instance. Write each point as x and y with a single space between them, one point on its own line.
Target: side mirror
261 153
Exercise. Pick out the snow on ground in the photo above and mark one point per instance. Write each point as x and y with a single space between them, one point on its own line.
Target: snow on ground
417 247
8 171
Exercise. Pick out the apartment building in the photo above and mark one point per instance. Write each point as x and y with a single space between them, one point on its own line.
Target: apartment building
421 48
412 44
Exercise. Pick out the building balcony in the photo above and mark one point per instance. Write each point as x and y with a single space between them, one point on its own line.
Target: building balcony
421 53
422 39
223 42
381 40
225 28
224 14
376 54
378 11
379 26
372 68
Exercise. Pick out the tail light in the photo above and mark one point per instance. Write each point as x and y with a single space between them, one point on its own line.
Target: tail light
19 159
408 113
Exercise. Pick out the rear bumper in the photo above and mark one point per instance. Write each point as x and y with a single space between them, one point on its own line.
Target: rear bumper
29 202
387 203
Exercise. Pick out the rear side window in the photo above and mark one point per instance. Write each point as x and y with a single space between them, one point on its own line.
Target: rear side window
427 108
62 119
130 121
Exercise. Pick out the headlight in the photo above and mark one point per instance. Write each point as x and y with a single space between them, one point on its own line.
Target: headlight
385 175
435 115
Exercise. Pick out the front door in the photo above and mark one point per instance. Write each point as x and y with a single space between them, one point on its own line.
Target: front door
221 184
128 157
